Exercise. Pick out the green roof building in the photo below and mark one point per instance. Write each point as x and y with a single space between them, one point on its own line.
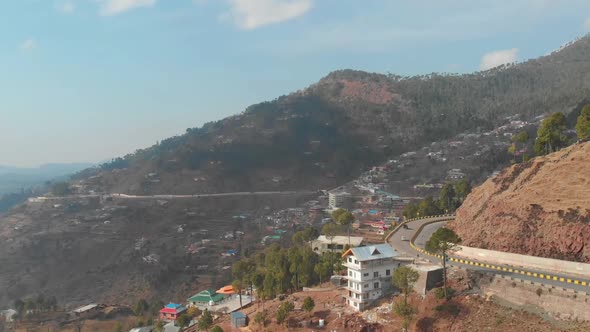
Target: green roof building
205 297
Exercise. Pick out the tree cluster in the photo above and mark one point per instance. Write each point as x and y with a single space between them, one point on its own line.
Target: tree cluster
34 305
344 218
279 270
551 134
285 309
583 124
519 146
450 198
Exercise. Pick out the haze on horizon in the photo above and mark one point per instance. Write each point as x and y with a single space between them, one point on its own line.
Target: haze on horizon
89 80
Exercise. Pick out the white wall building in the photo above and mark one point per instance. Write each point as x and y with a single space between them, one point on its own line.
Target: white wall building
325 244
338 200
370 270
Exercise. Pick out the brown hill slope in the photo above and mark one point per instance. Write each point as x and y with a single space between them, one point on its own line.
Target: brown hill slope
539 208
330 132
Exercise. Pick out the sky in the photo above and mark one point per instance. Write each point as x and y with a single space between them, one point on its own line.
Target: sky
89 80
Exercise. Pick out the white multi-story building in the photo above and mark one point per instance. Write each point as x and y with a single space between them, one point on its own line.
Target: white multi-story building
370 270
338 200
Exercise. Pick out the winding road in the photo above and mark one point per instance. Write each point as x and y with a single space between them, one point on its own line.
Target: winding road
422 229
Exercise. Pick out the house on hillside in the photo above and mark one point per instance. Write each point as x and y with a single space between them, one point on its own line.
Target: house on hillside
142 329
87 309
339 200
171 311
8 315
325 244
205 298
369 274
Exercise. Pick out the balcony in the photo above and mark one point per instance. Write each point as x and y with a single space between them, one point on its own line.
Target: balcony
352 266
363 301
354 290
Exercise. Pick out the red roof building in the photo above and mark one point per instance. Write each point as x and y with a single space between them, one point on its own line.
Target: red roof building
171 311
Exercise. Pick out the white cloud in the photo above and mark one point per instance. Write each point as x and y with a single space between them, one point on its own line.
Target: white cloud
496 58
114 7
251 14
66 7
587 24
28 45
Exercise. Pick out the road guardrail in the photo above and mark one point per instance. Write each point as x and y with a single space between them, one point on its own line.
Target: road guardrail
524 272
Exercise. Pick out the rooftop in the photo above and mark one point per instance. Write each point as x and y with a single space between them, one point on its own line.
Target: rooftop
173 308
206 296
86 308
354 240
367 253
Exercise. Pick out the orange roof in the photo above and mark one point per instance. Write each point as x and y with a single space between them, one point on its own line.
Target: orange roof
347 252
229 289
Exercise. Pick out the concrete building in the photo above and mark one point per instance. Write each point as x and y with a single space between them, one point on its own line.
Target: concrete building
325 244
369 273
430 275
8 315
339 200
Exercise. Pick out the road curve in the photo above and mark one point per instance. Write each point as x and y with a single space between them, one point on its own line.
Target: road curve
422 229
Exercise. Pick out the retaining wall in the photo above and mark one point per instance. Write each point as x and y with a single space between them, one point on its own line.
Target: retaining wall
559 303
530 262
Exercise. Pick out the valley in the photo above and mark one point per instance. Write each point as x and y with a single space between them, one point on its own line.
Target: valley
174 219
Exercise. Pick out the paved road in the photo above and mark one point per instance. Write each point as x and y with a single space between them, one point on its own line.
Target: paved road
520 272
400 240
171 196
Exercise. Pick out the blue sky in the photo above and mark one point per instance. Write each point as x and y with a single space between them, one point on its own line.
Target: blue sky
87 80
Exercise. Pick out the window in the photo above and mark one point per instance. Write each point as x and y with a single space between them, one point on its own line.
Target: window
366 274
350 259
366 285
356 262
350 273
376 285
376 274
387 272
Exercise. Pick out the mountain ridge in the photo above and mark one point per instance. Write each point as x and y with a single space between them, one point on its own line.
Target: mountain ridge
349 120
317 138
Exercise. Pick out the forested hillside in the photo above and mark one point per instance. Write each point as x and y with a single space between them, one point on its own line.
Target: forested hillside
329 132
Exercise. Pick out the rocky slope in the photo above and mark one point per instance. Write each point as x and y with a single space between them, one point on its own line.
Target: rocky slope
539 208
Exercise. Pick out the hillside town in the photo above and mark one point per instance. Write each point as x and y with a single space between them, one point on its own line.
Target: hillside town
294 165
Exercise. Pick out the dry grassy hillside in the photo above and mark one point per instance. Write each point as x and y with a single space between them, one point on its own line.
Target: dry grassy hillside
539 208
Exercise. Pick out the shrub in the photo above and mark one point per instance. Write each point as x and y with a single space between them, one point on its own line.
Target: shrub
440 292
539 291
261 317
450 308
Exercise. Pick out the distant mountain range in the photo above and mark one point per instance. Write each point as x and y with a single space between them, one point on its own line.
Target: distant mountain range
14 179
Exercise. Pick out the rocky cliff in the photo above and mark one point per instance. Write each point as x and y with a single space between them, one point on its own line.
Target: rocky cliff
540 208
